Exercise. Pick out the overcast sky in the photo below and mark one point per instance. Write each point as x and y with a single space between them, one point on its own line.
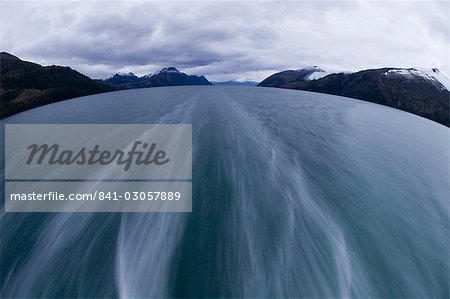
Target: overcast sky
227 40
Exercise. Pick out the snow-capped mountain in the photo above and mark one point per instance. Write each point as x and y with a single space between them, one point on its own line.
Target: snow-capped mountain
122 79
169 69
315 73
433 75
168 76
424 92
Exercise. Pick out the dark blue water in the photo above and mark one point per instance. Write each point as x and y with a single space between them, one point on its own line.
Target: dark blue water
295 194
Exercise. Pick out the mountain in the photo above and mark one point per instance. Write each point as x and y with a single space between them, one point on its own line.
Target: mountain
282 78
417 91
236 83
123 79
169 76
25 85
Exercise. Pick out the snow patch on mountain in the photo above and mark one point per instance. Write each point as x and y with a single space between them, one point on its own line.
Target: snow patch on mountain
317 75
315 72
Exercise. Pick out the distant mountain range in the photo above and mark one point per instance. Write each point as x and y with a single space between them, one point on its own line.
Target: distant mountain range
169 76
236 83
25 85
422 92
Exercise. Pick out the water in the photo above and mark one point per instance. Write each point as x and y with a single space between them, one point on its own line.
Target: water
295 194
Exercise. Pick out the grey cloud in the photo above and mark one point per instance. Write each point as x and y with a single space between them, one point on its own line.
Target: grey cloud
226 39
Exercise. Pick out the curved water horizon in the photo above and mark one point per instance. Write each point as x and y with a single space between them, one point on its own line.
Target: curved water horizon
295 195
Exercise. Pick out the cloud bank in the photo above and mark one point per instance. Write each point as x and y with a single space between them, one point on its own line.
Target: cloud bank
227 40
